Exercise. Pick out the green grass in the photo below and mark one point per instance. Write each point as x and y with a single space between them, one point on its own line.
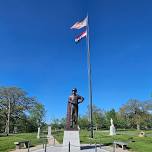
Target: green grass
7 142
137 144
58 135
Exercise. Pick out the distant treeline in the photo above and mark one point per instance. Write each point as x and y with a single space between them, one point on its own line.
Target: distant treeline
22 113
134 114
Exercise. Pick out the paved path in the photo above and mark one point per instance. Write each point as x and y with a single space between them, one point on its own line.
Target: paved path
59 148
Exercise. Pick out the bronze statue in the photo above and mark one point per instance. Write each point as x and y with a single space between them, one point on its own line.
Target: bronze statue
72 110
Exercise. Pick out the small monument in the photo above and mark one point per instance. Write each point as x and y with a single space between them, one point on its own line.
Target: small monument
142 134
112 128
50 138
38 133
71 133
15 130
49 132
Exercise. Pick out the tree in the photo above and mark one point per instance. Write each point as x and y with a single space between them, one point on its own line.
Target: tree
147 105
2 122
135 112
111 114
37 113
97 114
83 122
62 122
13 103
122 121
55 123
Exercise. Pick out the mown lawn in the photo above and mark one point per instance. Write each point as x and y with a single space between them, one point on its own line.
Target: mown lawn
7 142
137 144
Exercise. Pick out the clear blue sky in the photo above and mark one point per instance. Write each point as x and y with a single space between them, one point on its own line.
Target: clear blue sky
38 52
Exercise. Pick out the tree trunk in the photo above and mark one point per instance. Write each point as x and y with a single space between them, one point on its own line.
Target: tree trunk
8 118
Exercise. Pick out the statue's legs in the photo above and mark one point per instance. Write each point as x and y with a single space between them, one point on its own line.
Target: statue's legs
73 113
74 117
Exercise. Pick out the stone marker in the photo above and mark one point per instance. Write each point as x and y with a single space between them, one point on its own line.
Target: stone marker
49 132
142 134
51 139
38 133
15 130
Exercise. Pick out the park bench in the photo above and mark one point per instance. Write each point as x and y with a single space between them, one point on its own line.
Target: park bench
21 143
120 143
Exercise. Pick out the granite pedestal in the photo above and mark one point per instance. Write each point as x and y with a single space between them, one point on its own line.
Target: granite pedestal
73 137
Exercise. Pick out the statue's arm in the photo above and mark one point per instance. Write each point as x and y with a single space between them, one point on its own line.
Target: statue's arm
80 99
70 100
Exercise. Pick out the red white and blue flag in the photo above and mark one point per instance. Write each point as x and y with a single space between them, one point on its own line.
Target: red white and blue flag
79 25
82 35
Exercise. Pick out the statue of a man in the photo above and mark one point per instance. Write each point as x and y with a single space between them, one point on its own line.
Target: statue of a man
111 121
73 102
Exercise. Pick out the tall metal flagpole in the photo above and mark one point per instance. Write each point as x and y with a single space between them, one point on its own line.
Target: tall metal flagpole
89 77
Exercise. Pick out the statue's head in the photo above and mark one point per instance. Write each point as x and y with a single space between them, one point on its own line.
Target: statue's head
74 91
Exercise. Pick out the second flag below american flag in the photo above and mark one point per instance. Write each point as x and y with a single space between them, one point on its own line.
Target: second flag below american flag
82 35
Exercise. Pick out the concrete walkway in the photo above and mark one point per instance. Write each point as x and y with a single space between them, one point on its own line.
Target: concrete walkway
59 148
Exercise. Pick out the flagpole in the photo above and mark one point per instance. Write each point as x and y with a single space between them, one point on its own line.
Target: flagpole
89 78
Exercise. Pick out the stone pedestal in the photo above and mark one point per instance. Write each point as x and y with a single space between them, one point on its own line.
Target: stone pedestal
72 137
51 139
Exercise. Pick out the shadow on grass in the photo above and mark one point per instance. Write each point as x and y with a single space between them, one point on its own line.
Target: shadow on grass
5 135
87 147
107 144
94 146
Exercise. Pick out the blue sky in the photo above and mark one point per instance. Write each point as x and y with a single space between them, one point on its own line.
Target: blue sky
38 52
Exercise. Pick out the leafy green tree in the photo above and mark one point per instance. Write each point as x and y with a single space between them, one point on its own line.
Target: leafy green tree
97 114
111 114
55 123
2 122
62 122
14 103
37 113
83 122
135 112
122 122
